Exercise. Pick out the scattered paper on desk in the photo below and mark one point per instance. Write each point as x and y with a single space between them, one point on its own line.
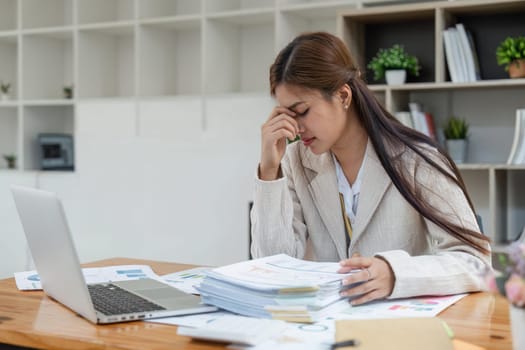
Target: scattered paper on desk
428 306
30 280
186 280
319 335
298 336
295 336
197 320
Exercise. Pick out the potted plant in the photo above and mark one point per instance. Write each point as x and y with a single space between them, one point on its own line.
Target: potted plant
511 53
68 91
393 63
4 90
11 160
456 133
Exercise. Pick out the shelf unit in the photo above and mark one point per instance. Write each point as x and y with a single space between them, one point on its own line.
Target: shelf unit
138 50
488 105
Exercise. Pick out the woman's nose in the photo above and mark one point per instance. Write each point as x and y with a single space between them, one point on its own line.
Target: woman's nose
300 128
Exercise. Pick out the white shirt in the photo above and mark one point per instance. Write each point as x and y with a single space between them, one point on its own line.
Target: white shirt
350 192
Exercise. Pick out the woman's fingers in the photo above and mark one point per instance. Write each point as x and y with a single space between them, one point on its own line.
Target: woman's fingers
374 280
363 275
280 110
279 126
282 121
354 263
365 298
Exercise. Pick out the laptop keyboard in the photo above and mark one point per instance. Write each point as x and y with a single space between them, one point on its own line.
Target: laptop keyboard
110 299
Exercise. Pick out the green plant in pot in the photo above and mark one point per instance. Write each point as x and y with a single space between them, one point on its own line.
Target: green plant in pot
511 54
4 90
456 135
68 91
11 160
393 64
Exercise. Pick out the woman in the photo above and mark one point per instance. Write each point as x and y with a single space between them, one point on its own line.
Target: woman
359 184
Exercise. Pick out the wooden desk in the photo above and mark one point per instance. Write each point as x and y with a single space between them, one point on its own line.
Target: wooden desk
30 319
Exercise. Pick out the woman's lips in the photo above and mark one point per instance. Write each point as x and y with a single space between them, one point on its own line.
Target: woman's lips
308 141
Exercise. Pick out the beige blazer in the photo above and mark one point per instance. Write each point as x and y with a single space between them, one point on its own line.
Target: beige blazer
300 215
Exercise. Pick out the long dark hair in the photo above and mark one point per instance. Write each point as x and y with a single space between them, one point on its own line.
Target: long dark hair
322 62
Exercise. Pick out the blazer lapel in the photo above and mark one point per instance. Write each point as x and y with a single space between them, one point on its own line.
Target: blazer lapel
320 172
374 186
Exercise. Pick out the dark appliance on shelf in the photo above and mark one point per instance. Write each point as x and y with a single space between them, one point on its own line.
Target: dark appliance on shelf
56 152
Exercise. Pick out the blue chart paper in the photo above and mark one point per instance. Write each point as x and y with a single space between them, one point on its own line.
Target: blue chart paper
30 280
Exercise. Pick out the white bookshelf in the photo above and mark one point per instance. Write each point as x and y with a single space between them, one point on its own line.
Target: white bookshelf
139 49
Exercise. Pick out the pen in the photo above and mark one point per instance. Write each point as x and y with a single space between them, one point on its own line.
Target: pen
342 344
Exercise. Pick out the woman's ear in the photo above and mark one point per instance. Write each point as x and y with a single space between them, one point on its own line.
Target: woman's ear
345 95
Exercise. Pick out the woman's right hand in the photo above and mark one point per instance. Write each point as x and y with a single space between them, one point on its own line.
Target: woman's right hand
279 126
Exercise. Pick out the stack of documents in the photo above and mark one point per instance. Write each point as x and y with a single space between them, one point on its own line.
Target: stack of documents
278 287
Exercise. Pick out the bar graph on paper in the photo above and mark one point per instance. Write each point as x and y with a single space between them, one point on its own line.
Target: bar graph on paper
30 280
412 307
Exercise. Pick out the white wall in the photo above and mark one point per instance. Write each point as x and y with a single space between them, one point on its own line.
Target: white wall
153 181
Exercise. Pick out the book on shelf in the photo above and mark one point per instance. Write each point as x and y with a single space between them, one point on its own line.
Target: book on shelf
421 121
460 54
450 56
405 118
517 151
277 287
467 43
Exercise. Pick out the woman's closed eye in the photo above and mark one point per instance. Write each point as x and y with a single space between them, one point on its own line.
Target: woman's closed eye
302 113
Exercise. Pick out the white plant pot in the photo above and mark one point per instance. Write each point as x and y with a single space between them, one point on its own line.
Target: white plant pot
457 149
4 97
395 76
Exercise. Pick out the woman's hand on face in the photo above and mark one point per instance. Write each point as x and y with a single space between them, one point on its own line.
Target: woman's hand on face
376 276
279 126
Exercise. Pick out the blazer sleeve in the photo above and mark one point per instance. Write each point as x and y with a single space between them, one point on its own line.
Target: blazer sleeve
277 223
453 266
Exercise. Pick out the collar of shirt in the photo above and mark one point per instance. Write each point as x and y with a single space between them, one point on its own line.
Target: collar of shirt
350 192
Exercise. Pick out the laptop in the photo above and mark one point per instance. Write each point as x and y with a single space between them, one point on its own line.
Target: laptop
56 260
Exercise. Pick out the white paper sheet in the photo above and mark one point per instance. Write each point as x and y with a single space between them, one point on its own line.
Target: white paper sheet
428 306
186 280
30 280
